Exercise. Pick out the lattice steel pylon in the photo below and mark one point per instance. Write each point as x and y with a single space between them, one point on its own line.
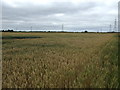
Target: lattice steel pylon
31 28
115 25
110 28
62 27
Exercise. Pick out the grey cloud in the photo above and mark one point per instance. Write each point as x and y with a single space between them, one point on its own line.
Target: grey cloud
28 11
29 14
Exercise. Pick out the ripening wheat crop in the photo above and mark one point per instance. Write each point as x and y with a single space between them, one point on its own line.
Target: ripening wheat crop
59 60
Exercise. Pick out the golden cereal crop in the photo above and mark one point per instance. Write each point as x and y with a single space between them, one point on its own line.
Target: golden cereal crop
60 60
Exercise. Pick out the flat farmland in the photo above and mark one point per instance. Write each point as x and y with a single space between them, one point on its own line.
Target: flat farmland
59 60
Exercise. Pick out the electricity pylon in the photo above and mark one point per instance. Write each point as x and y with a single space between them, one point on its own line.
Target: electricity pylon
110 28
115 26
62 27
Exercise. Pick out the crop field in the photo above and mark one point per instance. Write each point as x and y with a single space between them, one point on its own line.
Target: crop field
59 60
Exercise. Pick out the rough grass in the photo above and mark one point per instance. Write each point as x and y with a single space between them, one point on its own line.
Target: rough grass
60 60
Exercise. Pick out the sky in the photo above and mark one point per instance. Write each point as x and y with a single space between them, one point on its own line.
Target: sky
73 15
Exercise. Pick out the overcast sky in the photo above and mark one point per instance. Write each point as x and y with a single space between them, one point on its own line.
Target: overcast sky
51 14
